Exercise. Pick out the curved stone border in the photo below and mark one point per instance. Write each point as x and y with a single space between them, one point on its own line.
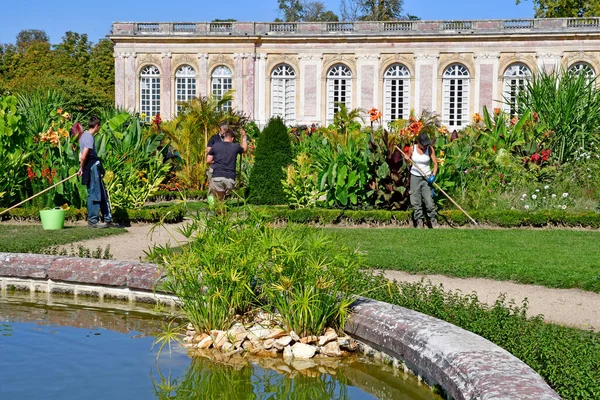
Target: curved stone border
465 365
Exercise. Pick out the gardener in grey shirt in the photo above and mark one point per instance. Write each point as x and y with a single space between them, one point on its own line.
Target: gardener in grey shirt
91 173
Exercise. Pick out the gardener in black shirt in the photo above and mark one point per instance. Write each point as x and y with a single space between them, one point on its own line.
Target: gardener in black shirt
216 138
222 158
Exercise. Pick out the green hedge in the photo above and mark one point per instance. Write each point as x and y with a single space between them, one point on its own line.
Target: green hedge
167 195
171 214
505 219
567 358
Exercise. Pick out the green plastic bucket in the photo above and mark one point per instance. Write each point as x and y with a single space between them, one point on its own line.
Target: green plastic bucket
52 219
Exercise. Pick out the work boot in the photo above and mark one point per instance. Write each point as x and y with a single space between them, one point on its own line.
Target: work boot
434 224
419 224
97 225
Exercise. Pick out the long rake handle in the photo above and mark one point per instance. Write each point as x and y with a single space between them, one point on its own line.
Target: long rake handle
36 195
438 187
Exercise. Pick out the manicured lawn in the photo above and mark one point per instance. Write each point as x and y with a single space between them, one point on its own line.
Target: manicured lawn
33 239
553 258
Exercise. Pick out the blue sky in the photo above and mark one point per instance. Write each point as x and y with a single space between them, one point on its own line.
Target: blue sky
95 17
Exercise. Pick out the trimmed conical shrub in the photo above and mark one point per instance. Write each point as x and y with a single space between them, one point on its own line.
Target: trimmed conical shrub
273 154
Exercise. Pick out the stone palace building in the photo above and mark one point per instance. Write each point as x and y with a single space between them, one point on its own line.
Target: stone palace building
302 71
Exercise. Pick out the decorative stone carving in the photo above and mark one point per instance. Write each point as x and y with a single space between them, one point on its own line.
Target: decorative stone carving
507 59
367 57
339 58
465 59
487 56
220 59
408 60
310 56
288 59
147 59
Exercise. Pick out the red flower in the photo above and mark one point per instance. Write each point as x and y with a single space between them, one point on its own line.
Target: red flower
546 154
30 174
535 157
536 117
157 119
406 149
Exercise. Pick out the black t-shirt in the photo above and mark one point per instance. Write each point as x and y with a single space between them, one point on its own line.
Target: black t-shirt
216 138
225 155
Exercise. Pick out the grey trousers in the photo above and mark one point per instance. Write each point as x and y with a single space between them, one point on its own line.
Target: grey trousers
420 192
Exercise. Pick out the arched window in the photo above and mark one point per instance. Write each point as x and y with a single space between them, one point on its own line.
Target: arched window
583 68
396 91
339 89
515 80
222 83
185 82
455 104
150 91
283 93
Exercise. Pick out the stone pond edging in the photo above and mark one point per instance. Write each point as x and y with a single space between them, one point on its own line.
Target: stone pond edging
465 365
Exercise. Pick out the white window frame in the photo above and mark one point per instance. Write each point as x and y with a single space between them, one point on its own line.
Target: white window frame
185 85
396 93
582 67
283 93
150 91
515 79
221 83
455 101
339 89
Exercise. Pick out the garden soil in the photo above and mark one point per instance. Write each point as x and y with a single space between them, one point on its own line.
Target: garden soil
571 307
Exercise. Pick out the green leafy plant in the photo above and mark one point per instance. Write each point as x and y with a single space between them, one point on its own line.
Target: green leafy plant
273 154
301 184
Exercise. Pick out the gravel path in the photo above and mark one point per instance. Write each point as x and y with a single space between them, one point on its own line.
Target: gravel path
571 307
130 246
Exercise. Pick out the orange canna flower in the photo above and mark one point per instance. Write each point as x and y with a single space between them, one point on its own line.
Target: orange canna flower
59 111
497 111
443 130
415 128
477 118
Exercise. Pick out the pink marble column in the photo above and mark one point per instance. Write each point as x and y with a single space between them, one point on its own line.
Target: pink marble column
425 88
238 85
119 80
201 88
249 84
165 90
367 74
486 86
310 91
130 79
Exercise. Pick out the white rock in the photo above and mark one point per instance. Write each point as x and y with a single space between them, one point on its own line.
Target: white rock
287 353
258 332
227 347
303 351
276 334
294 336
205 343
329 336
331 349
190 327
348 343
219 338
282 342
268 343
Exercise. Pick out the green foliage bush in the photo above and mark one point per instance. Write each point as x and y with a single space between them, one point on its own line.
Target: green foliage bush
171 214
168 195
568 359
273 154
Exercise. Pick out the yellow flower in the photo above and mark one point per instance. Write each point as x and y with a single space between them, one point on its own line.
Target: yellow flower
143 115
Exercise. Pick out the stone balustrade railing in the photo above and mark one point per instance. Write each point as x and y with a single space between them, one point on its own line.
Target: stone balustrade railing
359 28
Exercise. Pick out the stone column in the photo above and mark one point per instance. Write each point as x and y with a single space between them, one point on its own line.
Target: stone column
203 78
549 62
238 81
426 83
367 87
249 84
486 67
165 85
260 111
120 80
131 83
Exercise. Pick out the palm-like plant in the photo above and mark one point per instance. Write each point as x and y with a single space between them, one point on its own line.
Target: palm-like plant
189 132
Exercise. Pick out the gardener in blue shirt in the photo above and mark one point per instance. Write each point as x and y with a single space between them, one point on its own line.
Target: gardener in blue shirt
91 173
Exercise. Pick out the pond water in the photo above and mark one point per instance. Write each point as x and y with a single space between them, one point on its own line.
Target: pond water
60 350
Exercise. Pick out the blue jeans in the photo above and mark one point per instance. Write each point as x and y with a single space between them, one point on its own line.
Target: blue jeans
97 200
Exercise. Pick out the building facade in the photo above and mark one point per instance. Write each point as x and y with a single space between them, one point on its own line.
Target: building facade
302 71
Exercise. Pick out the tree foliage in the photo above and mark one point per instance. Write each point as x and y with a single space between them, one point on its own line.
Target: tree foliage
565 8
372 10
80 69
273 154
305 10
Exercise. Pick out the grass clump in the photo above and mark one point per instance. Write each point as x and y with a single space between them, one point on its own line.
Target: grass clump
235 265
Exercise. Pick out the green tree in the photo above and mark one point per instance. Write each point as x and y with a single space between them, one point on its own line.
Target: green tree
372 10
28 36
291 9
273 155
72 55
102 68
305 10
565 8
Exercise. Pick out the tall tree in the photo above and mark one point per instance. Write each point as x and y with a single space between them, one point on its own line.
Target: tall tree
565 8
72 55
27 36
102 68
305 10
372 10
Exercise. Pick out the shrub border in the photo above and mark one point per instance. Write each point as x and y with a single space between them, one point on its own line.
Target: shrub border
504 219
171 214
465 365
